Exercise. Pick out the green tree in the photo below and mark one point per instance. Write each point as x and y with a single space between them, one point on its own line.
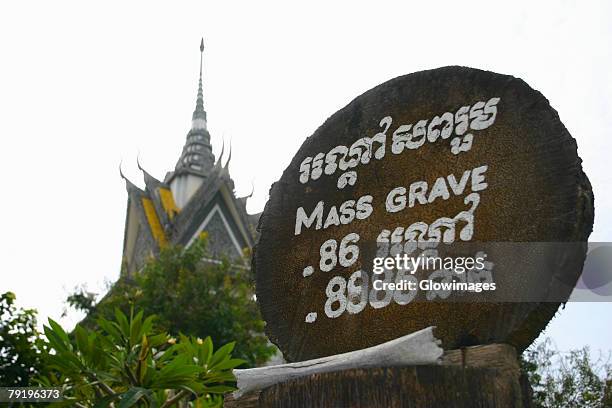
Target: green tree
191 296
81 299
126 363
21 348
572 379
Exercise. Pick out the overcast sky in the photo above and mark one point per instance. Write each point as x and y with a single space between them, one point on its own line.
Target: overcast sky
83 86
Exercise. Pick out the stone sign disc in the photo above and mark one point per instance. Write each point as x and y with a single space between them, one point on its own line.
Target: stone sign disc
421 163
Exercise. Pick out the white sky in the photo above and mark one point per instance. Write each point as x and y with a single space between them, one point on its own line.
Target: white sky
84 85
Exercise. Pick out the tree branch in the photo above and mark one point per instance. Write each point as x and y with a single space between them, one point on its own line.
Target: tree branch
175 399
131 376
104 387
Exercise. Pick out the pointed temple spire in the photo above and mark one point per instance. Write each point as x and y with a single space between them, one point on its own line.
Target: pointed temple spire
199 114
197 157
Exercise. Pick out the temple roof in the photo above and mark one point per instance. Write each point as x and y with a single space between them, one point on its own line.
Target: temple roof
154 219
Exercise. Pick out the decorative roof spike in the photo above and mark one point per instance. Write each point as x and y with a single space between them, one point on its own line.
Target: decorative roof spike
150 181
245 198
146 175
130 187
218 164
229 157
199 114
252 189
138 162
121 170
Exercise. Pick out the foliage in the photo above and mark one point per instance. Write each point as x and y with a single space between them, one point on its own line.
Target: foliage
193 297
570 379
21 347
81 299
126 364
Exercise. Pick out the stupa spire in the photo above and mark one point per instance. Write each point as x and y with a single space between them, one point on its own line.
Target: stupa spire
197 157
199 114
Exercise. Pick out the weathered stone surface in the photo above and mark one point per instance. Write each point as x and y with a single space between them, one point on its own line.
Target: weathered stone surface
401 387
499 383
535 191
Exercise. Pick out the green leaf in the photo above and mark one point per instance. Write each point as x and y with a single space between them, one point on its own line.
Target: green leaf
55 341
158 339
230 364
152 398
205 351
111 329
147 325
135 328
169 353
122 322
218 377
57 329
221 354
81 339
105 402
131 397
175 374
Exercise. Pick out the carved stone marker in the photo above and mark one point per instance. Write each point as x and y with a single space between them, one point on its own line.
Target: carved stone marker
425 162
